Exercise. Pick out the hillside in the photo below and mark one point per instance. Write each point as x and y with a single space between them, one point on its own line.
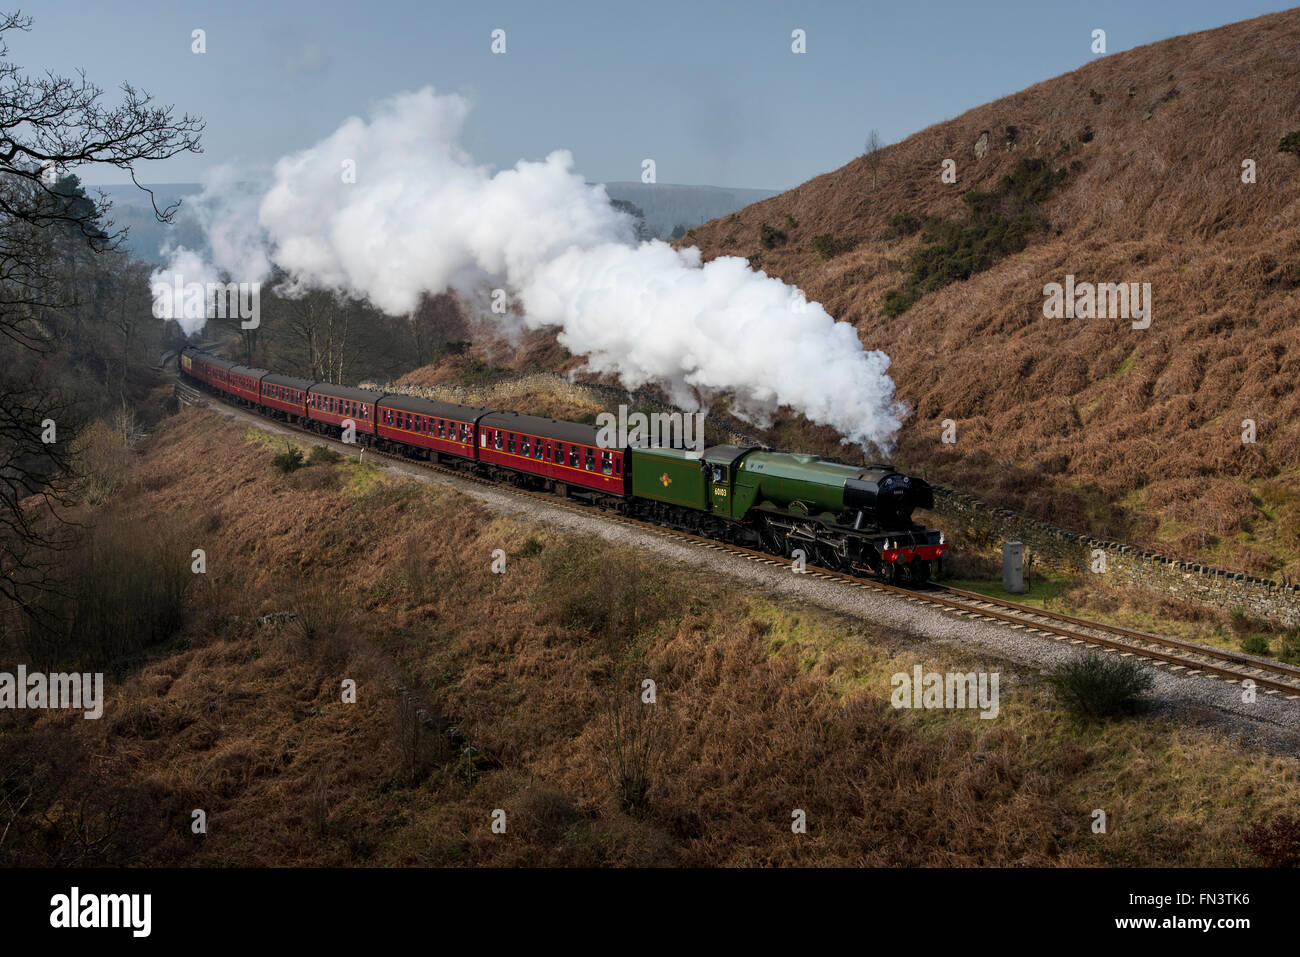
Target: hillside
231 705
1086 422
667 205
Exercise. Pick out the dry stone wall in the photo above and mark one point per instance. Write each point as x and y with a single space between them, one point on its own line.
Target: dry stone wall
1063 551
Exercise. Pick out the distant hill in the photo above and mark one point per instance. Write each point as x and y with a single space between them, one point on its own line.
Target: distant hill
1135 176
668 205
665 206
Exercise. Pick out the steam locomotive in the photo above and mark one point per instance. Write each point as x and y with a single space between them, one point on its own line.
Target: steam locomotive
844 517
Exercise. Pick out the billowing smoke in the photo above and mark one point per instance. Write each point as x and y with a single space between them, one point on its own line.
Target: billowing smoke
392 208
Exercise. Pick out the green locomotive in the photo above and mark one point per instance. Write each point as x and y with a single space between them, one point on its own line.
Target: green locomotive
841 516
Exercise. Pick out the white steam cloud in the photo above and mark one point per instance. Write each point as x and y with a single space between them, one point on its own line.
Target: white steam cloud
391 208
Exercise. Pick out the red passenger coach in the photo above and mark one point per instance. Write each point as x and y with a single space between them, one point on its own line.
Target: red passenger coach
213 371
561 453
245 383
286 394
405 423
331 405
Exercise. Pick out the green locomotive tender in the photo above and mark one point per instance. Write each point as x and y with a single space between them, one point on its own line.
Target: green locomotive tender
840 516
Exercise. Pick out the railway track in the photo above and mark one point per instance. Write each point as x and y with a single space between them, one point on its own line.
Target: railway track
1178 657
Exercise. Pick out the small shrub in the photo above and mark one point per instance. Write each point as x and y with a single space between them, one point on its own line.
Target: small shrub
791 223
770 237
290 460
631 749
826 246
1100 686
529 549
323 455
1255 643
898 301
101 456
1290 652
1290 143
903 224
320 614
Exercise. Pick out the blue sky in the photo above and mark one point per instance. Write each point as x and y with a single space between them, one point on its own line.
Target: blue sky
710 90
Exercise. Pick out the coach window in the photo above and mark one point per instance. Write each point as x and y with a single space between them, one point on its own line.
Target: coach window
510 443
559 453
538 449
496 440
590 463
525 448
573 457
442 428
606 463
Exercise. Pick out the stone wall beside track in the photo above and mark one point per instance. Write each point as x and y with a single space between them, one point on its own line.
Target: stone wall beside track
1059 550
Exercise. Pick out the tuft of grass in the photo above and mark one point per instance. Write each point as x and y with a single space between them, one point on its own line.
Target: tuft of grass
1099 686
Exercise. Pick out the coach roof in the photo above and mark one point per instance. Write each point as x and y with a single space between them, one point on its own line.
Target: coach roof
249 371
574 432
441 410
345 392
215 361
292 382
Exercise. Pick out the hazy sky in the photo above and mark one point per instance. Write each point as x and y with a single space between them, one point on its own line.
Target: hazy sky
710 90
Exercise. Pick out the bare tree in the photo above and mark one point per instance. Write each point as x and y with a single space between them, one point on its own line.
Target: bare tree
49 125
872 154
320 322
